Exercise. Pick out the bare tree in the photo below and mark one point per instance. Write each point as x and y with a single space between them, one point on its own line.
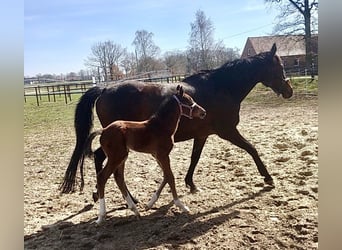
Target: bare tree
129 63
105 55
298 17
221 54
201 41
114 55
176 62
204 52
145 50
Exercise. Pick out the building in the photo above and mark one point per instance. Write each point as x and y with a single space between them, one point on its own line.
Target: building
291 49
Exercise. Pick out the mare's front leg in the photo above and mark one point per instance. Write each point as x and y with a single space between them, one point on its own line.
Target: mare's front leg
164 162
195 155
237 139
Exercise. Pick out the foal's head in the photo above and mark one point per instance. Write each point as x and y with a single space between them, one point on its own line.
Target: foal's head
188 107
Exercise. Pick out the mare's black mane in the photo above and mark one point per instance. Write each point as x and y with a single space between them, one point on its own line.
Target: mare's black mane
237 71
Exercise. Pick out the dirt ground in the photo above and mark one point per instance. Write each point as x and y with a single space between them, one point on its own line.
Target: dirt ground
233 211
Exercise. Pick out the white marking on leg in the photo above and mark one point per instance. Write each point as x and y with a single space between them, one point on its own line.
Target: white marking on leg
131 205
152 201
179 204
102 211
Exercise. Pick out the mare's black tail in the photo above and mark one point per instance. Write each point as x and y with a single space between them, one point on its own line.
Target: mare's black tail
83 123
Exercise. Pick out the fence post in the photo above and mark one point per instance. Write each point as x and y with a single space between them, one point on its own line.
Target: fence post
36 90
65 95
69 94
53 93
40 97
48 93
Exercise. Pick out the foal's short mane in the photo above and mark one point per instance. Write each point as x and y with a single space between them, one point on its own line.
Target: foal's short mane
164 108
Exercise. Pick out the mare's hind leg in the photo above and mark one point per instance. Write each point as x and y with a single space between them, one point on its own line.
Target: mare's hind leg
99 157
195 155
164 162
237 139
120 181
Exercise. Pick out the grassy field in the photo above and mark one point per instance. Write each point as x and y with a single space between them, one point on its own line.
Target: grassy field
48 114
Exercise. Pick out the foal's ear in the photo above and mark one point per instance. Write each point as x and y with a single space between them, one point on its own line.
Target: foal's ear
274 49
180 91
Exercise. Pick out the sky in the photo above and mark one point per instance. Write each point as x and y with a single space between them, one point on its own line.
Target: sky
58 35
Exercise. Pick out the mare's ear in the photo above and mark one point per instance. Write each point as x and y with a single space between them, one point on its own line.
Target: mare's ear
180 91
274 49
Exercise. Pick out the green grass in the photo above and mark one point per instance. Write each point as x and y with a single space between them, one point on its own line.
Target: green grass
48 115
302 87
305 85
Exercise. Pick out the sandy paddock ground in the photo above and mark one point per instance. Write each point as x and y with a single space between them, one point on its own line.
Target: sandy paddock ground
233 211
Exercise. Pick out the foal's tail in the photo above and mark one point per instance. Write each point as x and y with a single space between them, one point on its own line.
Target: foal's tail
83 123
87 149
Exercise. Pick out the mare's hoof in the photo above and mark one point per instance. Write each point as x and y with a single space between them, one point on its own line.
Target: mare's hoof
194 189
95 196
269 181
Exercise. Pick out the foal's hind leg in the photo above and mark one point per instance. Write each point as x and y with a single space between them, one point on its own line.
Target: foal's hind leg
164 162
99 157
237 139
156 195
102 178
120 181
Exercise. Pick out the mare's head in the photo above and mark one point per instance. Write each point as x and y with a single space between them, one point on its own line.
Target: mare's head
275 75
189 108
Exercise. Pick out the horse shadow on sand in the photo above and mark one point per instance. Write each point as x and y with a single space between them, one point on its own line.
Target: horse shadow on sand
155 229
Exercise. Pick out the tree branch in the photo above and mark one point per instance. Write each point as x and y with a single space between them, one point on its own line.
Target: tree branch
296 5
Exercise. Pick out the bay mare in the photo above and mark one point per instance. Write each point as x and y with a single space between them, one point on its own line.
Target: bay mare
153 136
219 91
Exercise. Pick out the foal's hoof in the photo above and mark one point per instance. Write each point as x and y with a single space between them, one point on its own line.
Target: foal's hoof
100 220
269 181
95 196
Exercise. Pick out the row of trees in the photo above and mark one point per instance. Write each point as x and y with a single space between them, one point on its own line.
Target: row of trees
110 58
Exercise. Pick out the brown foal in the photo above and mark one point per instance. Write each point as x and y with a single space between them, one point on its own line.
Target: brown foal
154 136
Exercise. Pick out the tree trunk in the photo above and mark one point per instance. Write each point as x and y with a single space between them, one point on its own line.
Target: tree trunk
308 47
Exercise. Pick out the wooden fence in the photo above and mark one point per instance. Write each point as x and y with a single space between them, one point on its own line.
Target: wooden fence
51 91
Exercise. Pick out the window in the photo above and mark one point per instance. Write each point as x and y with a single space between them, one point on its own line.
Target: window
248 51
296 62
